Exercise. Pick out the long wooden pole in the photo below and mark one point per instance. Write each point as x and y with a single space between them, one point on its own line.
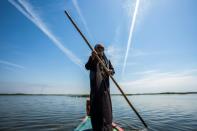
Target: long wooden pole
106 69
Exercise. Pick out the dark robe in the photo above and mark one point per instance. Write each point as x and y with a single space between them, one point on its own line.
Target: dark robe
100 100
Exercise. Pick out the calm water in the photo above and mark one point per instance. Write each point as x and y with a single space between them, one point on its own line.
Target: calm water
161 112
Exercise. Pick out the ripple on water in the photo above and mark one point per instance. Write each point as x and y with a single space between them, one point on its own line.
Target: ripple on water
161 113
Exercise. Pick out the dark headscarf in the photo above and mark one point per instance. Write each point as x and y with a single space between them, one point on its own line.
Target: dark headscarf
99 46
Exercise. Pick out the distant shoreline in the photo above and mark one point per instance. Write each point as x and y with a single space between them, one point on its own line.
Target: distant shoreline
86 95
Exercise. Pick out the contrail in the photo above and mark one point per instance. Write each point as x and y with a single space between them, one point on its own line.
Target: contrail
82 18
26 9
130 34
11 64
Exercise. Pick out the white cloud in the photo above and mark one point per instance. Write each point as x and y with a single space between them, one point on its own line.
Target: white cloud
130 34
115 55
154 81
147 72
133 10
11 64
136 53
75 3
27 9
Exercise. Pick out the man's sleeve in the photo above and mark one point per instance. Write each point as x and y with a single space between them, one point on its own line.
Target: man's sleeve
90 64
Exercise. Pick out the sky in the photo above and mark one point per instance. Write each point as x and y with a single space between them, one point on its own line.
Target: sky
151 43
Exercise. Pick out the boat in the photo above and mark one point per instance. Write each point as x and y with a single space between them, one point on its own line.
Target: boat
86 125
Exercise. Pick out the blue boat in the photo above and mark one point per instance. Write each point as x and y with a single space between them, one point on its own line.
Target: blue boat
86 125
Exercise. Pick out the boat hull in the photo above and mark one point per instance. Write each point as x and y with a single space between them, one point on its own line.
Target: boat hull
86 125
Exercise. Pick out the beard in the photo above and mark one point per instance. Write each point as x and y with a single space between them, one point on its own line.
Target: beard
101 54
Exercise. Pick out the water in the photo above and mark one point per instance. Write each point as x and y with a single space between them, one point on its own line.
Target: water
161 112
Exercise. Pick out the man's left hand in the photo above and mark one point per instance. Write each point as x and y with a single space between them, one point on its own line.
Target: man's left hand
109 72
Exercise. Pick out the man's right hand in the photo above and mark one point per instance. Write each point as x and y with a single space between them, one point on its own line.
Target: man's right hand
94 53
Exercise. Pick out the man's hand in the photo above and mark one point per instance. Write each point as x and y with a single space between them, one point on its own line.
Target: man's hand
94 53
110 72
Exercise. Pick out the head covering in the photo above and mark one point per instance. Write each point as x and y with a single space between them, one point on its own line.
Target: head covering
99 46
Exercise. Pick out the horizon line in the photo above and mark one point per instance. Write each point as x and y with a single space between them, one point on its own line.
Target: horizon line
158 93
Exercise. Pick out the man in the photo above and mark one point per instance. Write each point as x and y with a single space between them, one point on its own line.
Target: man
100 100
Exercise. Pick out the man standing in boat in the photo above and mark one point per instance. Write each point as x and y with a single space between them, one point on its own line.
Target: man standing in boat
100 100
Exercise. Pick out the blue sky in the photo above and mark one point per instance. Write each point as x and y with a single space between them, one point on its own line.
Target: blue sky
151 43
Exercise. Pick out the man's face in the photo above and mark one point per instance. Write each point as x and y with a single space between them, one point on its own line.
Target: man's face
100 51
